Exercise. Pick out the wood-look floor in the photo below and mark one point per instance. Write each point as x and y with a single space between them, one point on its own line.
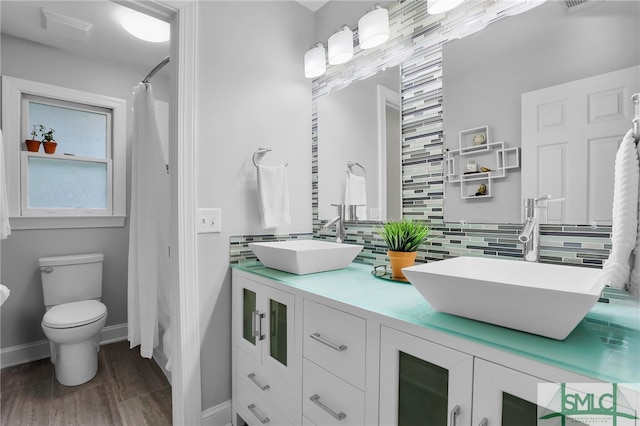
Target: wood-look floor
128 390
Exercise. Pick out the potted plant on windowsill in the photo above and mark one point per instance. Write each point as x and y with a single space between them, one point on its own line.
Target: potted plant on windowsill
403 239
48 143
33 144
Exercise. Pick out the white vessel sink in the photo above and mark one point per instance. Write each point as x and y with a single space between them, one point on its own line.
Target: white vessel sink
544 299
305 256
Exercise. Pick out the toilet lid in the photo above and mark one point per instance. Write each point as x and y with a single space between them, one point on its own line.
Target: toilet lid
74 314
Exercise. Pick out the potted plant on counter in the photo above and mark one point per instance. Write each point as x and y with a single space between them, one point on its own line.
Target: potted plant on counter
403 239
48 142
33 144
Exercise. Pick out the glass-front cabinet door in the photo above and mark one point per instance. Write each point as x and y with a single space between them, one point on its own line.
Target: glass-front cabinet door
423 383
503 396
267 325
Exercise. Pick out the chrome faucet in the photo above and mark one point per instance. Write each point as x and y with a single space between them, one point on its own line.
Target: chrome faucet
530 235
535 213
338 221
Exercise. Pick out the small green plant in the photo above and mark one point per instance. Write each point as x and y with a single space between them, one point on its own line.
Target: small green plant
34 132
404 235
47 135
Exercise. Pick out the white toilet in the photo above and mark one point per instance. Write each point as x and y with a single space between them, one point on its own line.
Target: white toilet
72 287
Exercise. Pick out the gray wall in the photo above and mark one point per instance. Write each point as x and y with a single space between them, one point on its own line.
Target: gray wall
251 93
22 313
485 73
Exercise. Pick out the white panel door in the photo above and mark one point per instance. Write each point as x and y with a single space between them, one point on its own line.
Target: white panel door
570 135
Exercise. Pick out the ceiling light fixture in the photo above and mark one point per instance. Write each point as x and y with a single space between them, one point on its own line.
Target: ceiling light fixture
145 27
373 28
435 7
341 46
314 61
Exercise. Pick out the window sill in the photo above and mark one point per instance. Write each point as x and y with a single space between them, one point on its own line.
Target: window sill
66 222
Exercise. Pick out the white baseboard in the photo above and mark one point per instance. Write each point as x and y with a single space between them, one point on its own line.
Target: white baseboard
161 360
220 415
21 354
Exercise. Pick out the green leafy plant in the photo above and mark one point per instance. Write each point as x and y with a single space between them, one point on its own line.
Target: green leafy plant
47 135
404 235
34 132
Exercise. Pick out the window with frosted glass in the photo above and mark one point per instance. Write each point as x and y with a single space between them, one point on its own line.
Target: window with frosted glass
78 175
67 184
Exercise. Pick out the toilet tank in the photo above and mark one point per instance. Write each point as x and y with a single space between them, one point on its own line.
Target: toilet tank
71 278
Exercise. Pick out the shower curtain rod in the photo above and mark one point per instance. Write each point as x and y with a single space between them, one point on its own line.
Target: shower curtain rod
157 68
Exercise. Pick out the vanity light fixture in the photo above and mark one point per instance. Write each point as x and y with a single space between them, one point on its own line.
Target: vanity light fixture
341 46
314 61
435 7
373 28
146 27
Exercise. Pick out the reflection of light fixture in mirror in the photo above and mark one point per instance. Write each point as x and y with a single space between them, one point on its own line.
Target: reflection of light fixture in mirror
314 61
341 46
145 27
435 7
373 28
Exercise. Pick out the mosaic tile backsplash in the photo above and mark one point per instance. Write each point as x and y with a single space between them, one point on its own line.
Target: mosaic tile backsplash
415 44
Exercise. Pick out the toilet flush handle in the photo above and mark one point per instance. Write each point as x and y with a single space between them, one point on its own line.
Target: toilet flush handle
47 269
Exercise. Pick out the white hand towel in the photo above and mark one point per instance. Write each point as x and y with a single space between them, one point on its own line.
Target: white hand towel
5 228
355 193
273 193
624 235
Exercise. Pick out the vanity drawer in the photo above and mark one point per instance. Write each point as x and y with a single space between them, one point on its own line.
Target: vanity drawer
336 341
276 392
328 400
255 410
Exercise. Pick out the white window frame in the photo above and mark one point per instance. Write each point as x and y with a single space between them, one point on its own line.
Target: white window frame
13 92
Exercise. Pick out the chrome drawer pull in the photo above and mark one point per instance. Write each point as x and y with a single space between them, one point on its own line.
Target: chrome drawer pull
339 348
252 377
483 422
454 415
315 398
263 420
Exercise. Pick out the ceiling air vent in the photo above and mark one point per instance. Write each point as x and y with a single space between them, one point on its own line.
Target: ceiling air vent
65 26
572 6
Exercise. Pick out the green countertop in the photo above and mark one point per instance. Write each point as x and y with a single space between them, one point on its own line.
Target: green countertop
605 345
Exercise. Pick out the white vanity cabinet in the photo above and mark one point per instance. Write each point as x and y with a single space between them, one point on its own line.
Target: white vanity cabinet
266 363
346 348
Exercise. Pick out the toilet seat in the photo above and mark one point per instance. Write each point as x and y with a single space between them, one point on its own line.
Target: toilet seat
74 314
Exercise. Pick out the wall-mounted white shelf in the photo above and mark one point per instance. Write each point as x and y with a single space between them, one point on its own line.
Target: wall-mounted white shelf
505 159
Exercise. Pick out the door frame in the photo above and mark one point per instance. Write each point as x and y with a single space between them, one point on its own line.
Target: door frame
185 349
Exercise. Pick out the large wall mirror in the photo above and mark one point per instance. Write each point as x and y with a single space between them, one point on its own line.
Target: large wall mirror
552 54
359 148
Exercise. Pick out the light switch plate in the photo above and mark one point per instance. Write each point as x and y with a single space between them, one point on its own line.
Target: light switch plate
208 220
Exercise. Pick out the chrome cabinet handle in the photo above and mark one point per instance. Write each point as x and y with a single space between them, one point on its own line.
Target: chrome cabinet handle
483 422
256 325
315 398
317 337
263 420
454 415
252 377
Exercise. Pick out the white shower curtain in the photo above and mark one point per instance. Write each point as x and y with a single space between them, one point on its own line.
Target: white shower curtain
149 290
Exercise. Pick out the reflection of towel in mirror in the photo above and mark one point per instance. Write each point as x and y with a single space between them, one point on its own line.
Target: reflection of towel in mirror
624 235
355 192
273 194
